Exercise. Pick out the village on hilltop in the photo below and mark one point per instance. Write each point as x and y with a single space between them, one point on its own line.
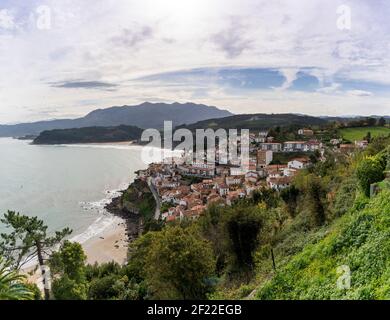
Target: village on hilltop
184 190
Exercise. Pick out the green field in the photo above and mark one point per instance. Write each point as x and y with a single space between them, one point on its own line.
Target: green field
359 133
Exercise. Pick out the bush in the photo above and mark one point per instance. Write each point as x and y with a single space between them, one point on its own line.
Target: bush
369 171
65 288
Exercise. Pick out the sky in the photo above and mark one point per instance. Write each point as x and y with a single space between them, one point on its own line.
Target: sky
63 59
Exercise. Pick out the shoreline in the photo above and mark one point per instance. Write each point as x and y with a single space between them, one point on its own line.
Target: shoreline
107 236
132 220
126 143
109 245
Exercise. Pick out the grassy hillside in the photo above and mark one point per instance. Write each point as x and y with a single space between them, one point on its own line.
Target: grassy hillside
359 133
359 240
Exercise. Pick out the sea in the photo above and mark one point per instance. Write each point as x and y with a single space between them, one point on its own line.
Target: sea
66 185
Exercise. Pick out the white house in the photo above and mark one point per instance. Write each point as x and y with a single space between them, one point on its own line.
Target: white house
361 144
274 146
298 163
335 141
262 137
252 176
236 171
279 183
233 180
312 145
305 132
291 146
223 189
289 172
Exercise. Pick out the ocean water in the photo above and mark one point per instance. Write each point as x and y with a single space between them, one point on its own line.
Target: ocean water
66 186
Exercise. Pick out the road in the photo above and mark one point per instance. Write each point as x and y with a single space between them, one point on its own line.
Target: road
156 197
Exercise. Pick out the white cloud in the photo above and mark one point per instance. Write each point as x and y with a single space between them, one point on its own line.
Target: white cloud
359 93
155 36
290 75
333 88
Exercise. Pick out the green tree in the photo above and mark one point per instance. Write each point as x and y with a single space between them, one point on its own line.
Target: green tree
212 228
65 288
266 195
36 292
370 121
315 195
110 280
28 240
69 260
368 171
178 264
243 225
138 252
381 122
68 265
12 284
290 197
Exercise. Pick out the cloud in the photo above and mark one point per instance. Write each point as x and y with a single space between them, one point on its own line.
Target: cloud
84 85
330 89
290 75
232 40
359 93
125 52
133 37
60 53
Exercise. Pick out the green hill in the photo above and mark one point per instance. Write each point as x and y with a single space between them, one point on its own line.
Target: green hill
358 133
89 135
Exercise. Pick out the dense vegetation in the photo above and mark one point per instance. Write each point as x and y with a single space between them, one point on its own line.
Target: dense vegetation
12 284
296 244
89 135
359 241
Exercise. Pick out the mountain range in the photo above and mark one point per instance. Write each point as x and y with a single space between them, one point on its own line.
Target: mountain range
253 122
145 115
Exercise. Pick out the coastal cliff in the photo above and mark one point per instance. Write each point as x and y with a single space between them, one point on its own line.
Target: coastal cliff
136 205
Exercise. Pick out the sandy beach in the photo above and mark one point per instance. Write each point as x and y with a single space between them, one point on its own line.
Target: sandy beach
110 245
